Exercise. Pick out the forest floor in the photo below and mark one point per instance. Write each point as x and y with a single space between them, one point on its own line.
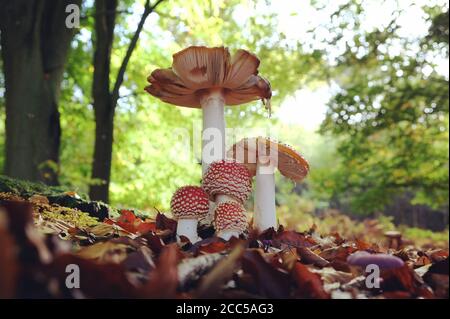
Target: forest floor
44 231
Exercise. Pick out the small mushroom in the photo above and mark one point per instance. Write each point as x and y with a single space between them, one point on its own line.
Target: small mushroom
227 180
394 239
262 156
209 78
230 220
384 261
188 205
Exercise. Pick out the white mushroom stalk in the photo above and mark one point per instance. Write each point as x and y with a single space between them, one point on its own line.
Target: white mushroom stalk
228 234
262 157
265 210
188 229
213 134
213 137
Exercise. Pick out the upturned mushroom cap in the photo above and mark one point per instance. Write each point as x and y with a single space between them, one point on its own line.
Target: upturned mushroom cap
227 177
290 163
197 69
189 202
230 216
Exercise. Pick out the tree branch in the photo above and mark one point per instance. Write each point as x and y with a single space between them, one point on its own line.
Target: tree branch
119 80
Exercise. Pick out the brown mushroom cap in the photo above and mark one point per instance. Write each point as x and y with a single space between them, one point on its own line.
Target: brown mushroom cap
197 69
289 162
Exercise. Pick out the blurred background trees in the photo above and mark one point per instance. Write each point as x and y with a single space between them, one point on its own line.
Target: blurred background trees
35 43
380 146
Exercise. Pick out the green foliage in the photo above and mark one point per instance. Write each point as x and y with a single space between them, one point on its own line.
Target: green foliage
385 134
146 167
391 112
424 235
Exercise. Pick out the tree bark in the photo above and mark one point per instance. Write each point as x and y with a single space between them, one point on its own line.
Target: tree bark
105 101
35 43
104 110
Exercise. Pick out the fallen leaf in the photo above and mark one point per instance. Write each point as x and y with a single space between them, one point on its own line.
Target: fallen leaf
165 223
8 260
210 284
330 275
403 279
292 239
309 257
191 270
106 252
309 284
209 246
270 281
132 224
140 260
163 279
96 280
337 253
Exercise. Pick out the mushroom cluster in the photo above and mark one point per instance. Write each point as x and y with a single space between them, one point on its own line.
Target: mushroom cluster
210 78
228 184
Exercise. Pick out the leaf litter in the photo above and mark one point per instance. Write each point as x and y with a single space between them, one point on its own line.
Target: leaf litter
131 257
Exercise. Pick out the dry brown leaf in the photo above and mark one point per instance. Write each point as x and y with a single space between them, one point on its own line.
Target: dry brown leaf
309 284
106 252
8 260
210 284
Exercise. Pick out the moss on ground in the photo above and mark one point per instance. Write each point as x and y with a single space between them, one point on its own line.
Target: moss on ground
56 195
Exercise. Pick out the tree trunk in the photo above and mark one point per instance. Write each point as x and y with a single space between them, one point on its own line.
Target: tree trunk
101 169
105 101
103 106
35 43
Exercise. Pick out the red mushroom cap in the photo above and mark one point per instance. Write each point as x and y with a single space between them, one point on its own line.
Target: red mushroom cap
230 216
189 202
228 177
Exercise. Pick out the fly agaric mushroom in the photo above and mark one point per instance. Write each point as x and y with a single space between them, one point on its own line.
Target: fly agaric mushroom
188 205
230 219
262 156
208 78
227 180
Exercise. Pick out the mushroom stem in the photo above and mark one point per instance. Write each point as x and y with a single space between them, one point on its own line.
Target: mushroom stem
265 213
188 227
227 234
213 137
